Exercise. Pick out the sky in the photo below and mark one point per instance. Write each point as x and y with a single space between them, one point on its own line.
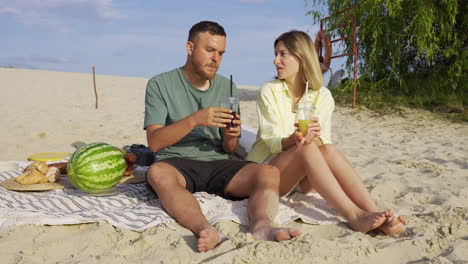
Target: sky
142 38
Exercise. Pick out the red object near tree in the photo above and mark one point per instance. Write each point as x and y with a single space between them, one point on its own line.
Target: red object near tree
319 45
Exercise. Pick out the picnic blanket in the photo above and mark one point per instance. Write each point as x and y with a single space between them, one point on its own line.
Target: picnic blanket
135 207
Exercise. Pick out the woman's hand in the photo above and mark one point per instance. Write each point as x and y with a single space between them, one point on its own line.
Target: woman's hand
299 138
313 131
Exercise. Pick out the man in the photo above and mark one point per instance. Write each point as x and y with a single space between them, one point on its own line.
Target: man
189 132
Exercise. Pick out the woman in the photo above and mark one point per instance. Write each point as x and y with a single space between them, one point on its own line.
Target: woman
311 162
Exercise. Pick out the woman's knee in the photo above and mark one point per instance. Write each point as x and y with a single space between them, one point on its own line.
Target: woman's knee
307 148
328 149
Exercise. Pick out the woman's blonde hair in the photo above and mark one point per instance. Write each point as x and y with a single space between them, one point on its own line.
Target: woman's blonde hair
301 46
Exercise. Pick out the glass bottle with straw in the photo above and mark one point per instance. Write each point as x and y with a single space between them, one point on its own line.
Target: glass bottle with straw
230 102
305 110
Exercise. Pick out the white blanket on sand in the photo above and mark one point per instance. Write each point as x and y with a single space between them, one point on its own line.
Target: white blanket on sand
135 207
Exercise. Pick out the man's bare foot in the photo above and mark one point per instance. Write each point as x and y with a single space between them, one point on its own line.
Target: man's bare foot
209 238
394 225
369 221
274 233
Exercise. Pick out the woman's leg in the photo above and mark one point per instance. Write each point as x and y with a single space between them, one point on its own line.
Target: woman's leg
353 186
348 178
307 161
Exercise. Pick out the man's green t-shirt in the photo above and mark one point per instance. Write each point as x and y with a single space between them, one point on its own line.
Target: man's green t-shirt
170 98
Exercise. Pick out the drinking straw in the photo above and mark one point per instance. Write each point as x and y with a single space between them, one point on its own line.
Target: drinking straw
231 85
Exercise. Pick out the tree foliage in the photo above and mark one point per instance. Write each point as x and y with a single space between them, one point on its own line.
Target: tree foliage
412 48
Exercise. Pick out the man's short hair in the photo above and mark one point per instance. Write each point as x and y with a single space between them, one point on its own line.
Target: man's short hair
206 26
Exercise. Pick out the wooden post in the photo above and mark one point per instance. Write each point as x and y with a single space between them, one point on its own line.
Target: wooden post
95 89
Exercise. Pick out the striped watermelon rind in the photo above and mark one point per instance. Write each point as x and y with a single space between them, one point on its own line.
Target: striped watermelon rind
96 167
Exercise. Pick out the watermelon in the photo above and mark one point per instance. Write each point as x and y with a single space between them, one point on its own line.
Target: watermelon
96 167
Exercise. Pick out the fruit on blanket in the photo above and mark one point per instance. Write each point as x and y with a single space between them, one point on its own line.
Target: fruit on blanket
124 152
130 159
96 166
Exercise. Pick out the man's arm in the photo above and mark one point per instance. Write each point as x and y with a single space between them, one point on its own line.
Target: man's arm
160 136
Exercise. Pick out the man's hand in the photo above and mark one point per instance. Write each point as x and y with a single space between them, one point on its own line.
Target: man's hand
234 129
212 116
231 135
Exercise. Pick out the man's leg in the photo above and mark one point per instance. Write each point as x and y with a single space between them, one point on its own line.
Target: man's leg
169 184
260 183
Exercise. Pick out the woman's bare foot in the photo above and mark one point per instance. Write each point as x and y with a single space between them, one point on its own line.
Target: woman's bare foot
369 221
209 238
394 225
274 233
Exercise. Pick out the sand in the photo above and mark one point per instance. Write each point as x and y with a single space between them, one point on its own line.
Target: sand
414 162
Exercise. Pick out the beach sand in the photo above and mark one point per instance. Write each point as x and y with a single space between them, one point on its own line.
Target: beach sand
414 162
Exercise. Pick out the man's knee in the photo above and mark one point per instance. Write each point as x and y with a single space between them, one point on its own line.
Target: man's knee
162 175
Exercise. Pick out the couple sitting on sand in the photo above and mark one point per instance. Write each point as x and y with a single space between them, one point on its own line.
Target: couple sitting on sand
189 130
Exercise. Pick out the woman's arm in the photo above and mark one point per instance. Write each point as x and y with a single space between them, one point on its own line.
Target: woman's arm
269 120
325 110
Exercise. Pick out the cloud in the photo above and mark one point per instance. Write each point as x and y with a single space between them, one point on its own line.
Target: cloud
9 11
50 59
29 61
52 13
98 10
167 39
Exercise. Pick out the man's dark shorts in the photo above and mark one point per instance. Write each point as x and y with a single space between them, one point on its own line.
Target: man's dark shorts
207 176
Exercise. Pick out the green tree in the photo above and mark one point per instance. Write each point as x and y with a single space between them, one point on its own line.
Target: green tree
414 50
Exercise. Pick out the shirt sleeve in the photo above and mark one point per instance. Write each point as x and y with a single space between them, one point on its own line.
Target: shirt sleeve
268 120
155 105
324 112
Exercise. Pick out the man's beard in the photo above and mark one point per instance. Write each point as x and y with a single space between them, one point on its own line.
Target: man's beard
205 75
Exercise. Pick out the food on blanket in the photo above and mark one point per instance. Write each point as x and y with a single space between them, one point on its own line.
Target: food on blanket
124 152
62 166
96 166
39 166
130 159
38 172
53 174
31 177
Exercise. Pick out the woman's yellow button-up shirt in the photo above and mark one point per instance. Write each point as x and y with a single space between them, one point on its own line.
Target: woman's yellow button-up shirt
276 120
